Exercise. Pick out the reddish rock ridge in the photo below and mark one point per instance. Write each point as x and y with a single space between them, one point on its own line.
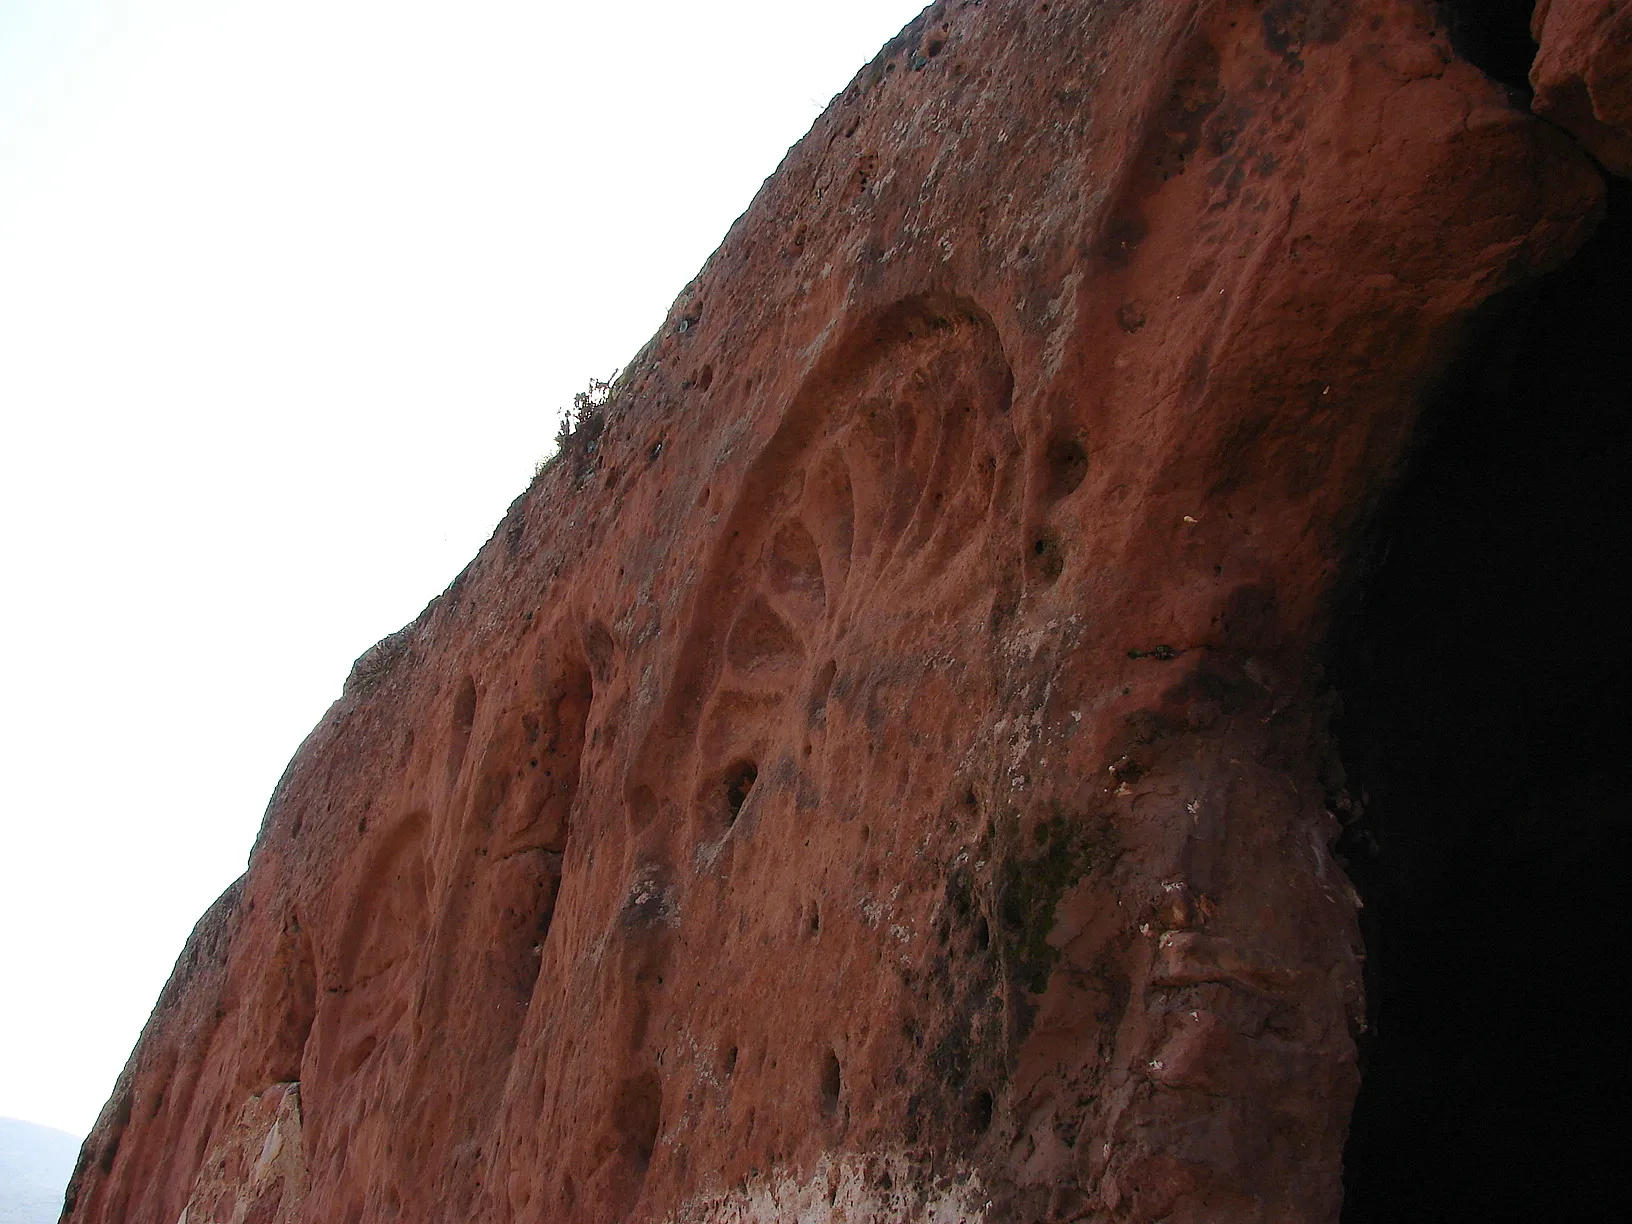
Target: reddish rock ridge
1583 74
880 771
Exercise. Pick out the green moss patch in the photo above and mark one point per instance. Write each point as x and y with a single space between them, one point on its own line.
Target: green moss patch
1029 888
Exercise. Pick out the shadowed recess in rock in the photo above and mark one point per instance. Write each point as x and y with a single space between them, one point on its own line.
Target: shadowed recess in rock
1494 35
1485 732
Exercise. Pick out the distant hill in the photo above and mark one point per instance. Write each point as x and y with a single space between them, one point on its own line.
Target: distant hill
35 1164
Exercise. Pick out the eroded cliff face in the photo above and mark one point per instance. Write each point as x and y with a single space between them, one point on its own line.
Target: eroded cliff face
883 771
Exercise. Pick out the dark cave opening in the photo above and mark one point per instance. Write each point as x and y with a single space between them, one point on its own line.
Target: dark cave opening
1494 35
1484 726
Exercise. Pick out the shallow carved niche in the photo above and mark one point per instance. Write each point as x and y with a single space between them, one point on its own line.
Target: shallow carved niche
887 474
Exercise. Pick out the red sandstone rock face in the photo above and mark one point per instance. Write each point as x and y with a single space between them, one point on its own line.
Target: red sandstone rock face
1583 74
882 773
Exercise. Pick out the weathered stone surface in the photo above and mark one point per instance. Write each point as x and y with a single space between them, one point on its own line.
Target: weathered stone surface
255 1173
880 772
1583 74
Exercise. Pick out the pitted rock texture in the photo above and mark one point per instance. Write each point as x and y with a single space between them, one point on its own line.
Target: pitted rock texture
879 771
1583 74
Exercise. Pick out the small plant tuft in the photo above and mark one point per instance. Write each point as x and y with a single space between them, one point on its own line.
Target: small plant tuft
581 426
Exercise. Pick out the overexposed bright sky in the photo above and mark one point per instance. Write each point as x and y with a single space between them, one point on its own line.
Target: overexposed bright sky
290 295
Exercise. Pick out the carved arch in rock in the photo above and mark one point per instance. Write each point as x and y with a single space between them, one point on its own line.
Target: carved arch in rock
890 477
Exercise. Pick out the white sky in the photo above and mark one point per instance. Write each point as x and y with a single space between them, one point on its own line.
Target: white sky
290 293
